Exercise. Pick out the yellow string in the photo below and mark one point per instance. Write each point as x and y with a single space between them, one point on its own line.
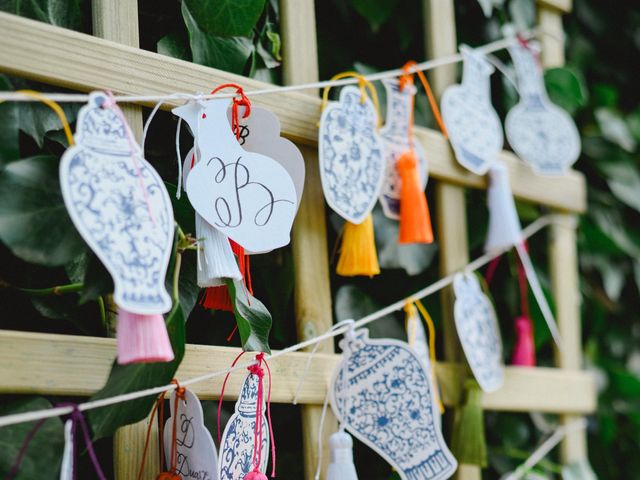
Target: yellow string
53 106
409 310
432 344
363 84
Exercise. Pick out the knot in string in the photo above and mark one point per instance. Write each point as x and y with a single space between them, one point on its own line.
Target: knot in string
367 90
240 100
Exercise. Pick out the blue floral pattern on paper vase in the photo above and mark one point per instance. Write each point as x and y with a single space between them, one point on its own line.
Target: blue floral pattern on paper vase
120 206
541 133
395 134
236 446
474 128
383 395
351 155
478 331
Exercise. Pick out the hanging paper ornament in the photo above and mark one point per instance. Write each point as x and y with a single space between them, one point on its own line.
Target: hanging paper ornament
382 394
505 232
474 128
352 169
478 331
395 135
244 447
341 466
121 208
541 133
192 450
247 196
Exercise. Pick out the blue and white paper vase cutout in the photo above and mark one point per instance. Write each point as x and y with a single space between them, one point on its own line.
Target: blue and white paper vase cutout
474 128
196 452
386 402
120 207
351 155
237 444
395 134
478 331
541 133
247 196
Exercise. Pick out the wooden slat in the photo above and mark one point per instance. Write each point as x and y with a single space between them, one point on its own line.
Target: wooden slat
553 42
70 59
51 364
564 6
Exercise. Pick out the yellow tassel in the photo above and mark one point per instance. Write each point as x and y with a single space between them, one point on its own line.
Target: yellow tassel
358 255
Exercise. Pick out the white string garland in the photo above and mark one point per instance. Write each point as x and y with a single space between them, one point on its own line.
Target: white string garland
427 65
527 232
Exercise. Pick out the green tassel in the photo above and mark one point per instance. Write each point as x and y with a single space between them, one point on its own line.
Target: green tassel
468 442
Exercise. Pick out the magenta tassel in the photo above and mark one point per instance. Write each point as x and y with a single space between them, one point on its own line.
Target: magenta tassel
142 338
255 475
524 351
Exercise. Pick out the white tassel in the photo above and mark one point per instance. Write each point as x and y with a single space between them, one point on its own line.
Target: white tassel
505 232
341 466
66 470
218 260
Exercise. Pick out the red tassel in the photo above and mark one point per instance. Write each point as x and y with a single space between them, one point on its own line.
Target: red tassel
415 221
218 298
524 351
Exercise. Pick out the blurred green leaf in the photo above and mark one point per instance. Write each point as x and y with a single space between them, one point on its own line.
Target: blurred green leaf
375 12
225 53
44 452
34 222
252 317
566 88
276 44
36 119
226 18
9 146
615 129
62 13
580 470
173 45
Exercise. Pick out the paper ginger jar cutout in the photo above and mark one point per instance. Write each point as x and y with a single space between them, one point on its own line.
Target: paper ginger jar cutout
120 206
474 128
351 155
478 331
237 444
540 133
247 196
382 394
395 134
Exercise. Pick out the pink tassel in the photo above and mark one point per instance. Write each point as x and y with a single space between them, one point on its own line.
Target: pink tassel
255 475
524 351
142 338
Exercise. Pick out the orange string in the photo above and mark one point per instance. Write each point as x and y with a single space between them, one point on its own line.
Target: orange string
427 88
159 404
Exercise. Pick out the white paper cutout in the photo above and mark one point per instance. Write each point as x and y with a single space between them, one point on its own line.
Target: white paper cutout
386 403
196 453
260 133
395 133
247 196
66 469
541 133
478 331
120 207
351 155
474 128
236 446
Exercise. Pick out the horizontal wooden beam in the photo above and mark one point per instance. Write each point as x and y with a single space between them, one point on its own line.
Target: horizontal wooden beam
564 6
78 61
51 364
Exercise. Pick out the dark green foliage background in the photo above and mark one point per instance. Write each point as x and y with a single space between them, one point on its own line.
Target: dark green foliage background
40 249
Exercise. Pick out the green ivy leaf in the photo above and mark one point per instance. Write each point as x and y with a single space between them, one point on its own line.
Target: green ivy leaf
34 222
253 318
226 18
276 44
138 376
62 13
229 54
375 12
566 88
45 449
615 129
9 145
173 45
97 280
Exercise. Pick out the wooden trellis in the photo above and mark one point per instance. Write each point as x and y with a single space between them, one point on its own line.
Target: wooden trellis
72 365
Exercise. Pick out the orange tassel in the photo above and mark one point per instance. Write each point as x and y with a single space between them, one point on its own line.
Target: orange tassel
358 255
415 221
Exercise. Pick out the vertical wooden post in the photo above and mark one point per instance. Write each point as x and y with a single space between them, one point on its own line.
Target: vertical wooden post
118 21
563 256
312 291
440 40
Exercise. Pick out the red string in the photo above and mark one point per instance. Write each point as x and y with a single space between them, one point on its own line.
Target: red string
224 384
243 100
256 369
491 269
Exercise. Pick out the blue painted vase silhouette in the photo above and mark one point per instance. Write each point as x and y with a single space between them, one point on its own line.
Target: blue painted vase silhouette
120 206
383 396
236 446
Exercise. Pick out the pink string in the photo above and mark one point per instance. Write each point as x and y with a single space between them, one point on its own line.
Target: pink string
111 103
491 269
